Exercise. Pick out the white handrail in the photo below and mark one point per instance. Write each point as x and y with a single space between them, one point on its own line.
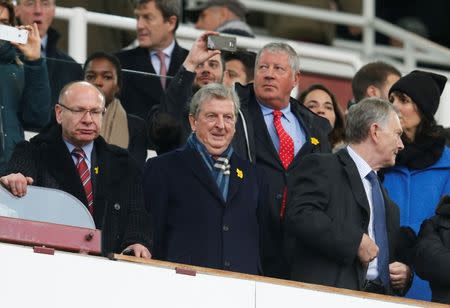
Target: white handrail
367 21
78 18
80 15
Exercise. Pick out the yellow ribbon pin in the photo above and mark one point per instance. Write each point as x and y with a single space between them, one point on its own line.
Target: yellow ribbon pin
314 141
239 173
96 170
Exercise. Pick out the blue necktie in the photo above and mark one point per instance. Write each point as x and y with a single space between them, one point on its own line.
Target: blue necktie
379 227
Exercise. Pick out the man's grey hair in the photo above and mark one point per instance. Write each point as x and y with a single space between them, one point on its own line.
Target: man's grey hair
294 61
213 91
362 115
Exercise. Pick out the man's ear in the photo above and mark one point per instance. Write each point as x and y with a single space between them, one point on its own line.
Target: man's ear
374 132
192 122
373 91
58 111
172 20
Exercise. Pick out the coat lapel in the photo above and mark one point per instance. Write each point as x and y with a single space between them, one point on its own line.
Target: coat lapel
63 169
354 179
237 175
195 162
262 136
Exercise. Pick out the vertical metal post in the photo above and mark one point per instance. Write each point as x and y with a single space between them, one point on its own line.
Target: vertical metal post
78 34
369 31
410 59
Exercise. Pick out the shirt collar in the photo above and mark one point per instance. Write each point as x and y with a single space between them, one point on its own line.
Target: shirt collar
363 167
268 111
44 41
167 51
86 148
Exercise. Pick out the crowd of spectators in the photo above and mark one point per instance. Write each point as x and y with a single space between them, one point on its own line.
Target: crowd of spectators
247 178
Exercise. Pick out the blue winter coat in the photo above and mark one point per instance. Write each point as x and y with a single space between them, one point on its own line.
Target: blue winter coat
417 192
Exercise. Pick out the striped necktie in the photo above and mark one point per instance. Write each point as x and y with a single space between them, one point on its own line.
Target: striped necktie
85 176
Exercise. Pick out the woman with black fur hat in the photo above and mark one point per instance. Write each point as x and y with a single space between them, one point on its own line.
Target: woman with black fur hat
421 175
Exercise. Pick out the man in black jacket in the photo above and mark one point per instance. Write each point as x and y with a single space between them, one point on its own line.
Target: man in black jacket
256 139
62 69
346 228
156 22
72 157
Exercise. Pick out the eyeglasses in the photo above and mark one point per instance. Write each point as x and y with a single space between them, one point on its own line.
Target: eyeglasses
81 113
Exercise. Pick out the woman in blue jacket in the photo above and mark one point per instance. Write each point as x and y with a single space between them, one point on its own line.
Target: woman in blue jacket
421 175
24 86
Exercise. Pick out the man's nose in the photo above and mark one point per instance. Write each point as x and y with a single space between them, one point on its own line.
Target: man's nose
220 122
87 117
139 23
400 144
37 7
268 73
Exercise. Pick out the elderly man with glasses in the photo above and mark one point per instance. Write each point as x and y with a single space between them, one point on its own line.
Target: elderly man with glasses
71 156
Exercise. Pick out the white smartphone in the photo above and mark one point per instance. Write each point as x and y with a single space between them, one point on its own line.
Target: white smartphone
12 34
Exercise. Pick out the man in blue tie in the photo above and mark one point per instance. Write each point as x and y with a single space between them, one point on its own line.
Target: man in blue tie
345 226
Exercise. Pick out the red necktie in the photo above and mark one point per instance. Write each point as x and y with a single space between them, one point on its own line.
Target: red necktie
286 151
163 68
85 176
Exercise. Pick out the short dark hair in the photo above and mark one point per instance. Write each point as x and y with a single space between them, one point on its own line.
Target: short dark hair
168 8
337 134
111 58
247 58
374 73
10 7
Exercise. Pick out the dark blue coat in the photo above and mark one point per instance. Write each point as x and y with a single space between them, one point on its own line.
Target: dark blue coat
191 222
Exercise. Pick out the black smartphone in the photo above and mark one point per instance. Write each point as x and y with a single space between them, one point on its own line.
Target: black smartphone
226 43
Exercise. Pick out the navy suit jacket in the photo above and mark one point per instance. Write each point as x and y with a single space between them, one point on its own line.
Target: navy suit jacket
192 224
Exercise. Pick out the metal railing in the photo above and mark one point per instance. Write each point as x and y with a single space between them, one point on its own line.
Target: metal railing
78 18
415 48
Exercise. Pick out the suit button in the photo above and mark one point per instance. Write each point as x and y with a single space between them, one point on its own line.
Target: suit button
225 228
227 264
117 206
278 196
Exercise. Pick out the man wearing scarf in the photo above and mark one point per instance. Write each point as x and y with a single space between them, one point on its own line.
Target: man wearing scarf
206 203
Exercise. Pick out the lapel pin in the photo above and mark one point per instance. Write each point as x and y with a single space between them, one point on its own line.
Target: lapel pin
314 141
96 170
239 173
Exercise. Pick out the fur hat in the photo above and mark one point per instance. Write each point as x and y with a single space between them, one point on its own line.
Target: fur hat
424 88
